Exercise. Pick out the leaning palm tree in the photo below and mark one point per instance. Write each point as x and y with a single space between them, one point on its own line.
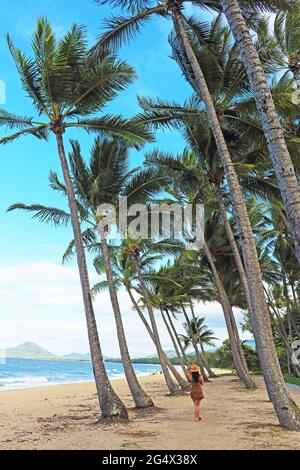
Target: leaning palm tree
172 291
134 248
284 406
163 300
103 180
187 181
125 276
67 86
278 150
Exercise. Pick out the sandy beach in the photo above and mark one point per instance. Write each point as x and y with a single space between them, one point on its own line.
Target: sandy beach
66 417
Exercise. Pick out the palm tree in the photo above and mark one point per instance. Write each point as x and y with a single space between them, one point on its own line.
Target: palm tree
180 356
285 408
185 181
284 405
278 150
287 35
104 180
163 295
66 86
197 331
133 249
172 293
160 301
125 274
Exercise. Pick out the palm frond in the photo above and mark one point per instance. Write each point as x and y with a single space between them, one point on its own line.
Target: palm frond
56 184
43 213
98 82
120 29
40 132
12 121
29 77
98 288
88 238
132 130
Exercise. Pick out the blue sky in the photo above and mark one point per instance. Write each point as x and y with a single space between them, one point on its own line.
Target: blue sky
40 299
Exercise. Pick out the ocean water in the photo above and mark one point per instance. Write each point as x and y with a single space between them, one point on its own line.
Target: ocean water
29 373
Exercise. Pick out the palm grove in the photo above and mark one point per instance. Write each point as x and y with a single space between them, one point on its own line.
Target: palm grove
241 128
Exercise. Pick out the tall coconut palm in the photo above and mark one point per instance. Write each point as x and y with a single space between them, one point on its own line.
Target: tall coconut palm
203 338
200 333
133 249
103 180
284 406
67 86
278 150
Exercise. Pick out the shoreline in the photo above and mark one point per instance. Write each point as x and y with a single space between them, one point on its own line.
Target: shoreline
66 417
58 384
28 380
219 372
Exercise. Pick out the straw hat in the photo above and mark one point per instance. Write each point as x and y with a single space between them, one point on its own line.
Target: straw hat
194 368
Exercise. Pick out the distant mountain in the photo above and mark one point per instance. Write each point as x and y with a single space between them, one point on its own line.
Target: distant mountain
74 355
29 350
150 359
168 352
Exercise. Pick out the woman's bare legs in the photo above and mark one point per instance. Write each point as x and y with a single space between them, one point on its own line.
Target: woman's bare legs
197 410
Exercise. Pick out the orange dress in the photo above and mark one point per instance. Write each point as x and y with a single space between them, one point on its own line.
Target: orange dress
196 390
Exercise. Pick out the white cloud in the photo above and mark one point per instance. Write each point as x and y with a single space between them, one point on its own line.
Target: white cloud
41 272
41 302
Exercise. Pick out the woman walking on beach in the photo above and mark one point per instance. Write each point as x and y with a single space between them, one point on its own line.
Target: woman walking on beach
197 381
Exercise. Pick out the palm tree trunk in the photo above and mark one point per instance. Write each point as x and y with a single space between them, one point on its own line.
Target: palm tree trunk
291 321
195 346
207 366
177 338
141 399
285 407
233 245
178 355
110 404
281 159
240 267
164 358
234 339
289 313
296 299
170 384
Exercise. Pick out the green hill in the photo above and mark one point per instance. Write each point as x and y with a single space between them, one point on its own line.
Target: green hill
29 350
